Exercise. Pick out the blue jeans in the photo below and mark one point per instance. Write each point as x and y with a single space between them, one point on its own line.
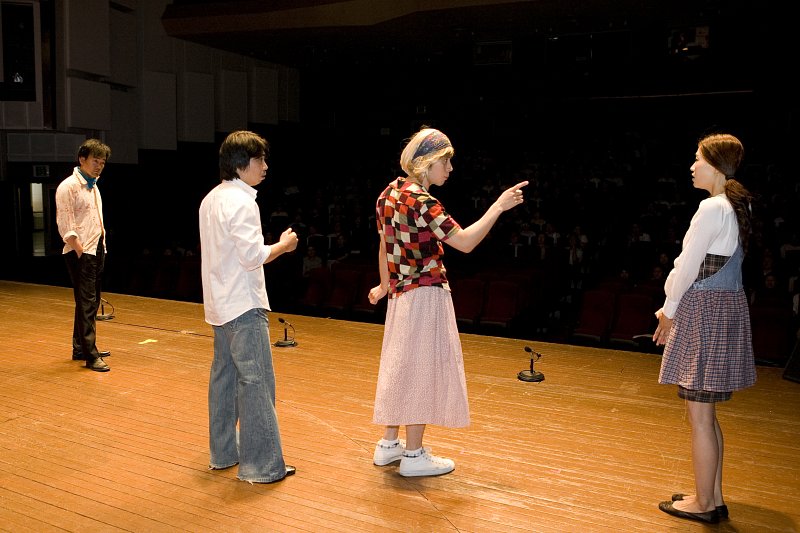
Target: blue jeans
242 387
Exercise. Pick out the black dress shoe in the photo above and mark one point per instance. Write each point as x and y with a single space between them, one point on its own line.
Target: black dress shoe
290 470
98 365
721 509
81 357
709 517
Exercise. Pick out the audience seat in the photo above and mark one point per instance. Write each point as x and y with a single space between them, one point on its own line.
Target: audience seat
361 304
467 296
343 290
596 313
634 314
501 304
318 284
189 286
772 334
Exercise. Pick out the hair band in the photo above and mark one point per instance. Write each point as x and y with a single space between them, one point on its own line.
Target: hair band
432 143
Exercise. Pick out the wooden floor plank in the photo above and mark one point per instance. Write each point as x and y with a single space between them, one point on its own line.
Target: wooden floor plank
594 447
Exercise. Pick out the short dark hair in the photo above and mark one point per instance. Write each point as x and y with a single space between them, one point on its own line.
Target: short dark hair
237 150
94 147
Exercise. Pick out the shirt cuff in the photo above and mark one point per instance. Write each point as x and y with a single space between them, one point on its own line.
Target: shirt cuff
670 307
269 253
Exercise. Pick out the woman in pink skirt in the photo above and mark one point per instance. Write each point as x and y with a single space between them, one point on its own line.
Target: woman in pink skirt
421 376
704 324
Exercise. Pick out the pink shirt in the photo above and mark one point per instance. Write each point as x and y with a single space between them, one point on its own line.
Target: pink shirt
79 212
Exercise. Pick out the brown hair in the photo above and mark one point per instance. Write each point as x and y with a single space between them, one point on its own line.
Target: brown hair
94 147
725 152
237 150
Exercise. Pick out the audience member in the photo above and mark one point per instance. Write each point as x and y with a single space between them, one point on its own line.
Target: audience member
311 261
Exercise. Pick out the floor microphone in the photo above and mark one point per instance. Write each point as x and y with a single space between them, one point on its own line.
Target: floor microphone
533 376
102 314
286 340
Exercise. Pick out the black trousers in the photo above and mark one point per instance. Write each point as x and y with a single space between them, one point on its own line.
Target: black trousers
86 273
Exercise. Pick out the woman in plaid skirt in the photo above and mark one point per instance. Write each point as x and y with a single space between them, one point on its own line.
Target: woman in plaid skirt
421 377
704 323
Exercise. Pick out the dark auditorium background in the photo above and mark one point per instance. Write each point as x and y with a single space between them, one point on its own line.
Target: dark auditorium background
599 104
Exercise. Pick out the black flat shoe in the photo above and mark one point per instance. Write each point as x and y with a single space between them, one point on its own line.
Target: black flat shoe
98 365
81 357
721 509
710 517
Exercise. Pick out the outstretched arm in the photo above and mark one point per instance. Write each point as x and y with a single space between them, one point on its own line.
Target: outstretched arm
468 238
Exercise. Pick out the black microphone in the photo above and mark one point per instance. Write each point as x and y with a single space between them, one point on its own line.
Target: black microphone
101 315
531 375
286 340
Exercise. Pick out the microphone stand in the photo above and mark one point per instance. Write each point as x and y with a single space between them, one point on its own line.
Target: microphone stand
286 342
102 314
531 376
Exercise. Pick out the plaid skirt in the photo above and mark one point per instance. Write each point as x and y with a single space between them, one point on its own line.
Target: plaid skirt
710 346
703 396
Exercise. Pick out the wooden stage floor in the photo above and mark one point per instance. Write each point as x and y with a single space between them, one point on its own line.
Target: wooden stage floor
594 447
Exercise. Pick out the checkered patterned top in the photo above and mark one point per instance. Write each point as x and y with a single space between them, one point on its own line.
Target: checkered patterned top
711 265
414 225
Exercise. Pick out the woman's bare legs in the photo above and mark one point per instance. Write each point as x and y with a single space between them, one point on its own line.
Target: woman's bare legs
414 435
707 451
718 500
391 432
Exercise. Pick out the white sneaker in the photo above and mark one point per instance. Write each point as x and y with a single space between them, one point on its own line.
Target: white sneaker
385 455
425 464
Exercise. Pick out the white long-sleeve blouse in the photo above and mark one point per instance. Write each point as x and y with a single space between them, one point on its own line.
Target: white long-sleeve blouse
713 230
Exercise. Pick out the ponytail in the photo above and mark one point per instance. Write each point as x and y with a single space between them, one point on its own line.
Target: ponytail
740 198
725 152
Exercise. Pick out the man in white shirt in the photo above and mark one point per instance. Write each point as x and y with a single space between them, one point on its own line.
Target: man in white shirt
79 216
241 387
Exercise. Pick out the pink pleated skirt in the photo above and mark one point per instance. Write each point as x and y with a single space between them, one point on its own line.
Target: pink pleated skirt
421 377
